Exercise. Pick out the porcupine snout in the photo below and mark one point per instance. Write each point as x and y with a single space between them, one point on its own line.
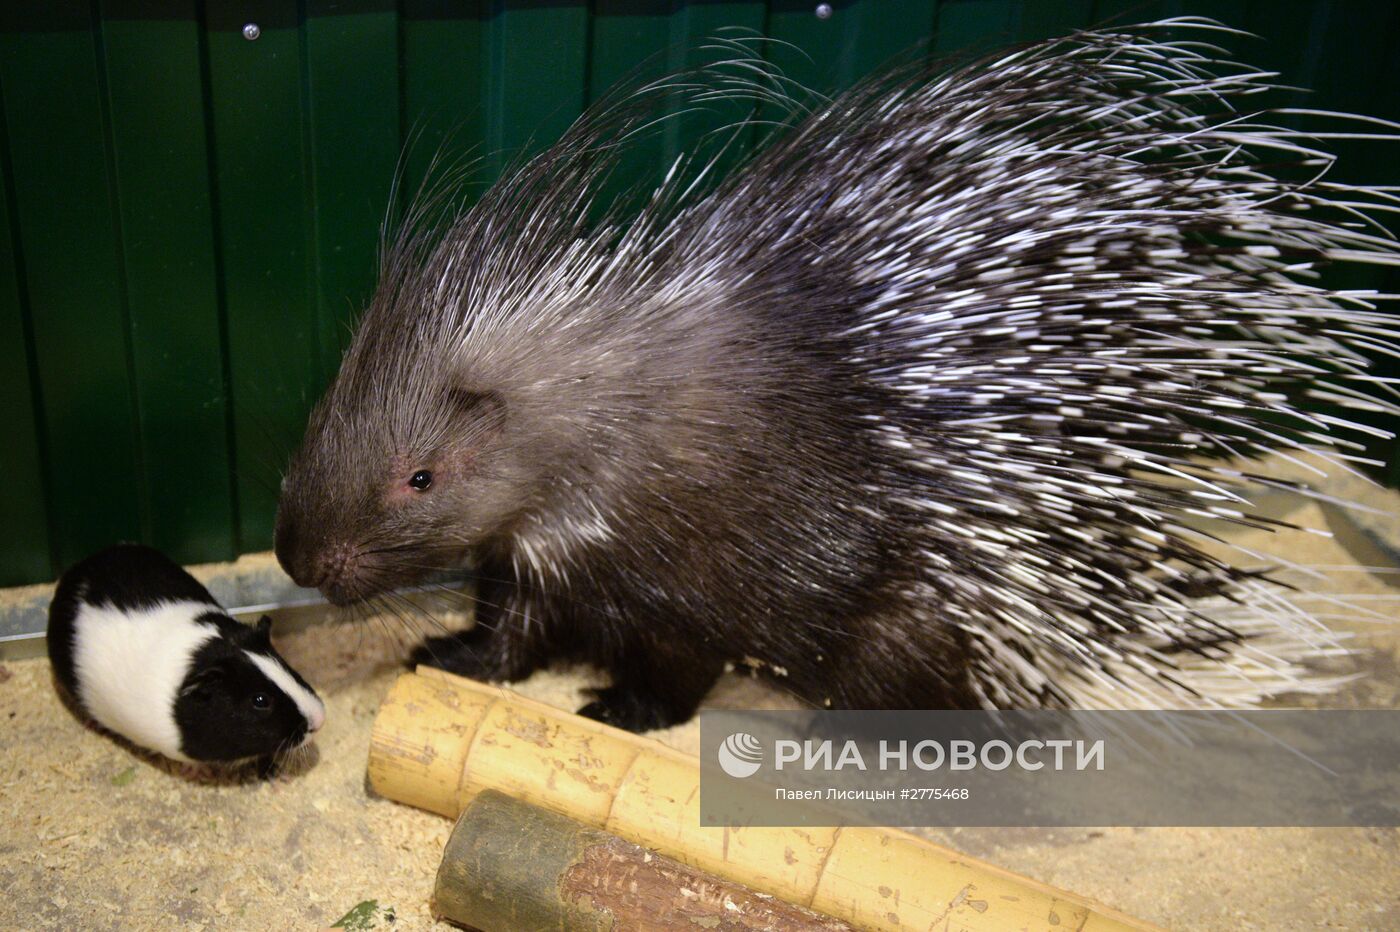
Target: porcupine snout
337 573
331 567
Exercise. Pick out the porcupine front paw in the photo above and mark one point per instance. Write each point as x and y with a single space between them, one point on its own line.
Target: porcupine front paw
657 690
658 700
476 654
633 709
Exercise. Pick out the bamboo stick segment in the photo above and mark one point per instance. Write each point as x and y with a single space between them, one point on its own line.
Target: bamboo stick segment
510 866
440 740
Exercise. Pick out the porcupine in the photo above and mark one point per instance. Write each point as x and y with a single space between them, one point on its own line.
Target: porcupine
914 409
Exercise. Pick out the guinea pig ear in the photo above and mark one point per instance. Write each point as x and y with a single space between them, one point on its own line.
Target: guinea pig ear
202 683
262 633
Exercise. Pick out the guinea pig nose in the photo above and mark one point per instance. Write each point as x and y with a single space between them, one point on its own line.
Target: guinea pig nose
316 720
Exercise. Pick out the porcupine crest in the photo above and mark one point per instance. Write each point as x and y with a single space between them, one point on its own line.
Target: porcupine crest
1072 285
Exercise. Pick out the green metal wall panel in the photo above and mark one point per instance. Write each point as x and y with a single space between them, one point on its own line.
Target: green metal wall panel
24 545
1045 20
352 69
59 155
189 218
537 75
692 25
442 75
814 59
630 40
161 175
857 38
978 24
256 92
625 32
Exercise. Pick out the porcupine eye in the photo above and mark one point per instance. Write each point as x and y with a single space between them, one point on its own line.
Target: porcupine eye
421 480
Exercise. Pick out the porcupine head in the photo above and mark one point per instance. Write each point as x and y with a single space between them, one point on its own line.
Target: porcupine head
888 410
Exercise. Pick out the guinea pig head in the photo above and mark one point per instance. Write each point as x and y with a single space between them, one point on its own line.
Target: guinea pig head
241 700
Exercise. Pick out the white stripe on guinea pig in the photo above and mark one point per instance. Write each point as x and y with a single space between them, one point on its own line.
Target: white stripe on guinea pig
307 701
145 650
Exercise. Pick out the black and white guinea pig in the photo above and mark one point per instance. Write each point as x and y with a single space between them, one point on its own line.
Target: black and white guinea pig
145 650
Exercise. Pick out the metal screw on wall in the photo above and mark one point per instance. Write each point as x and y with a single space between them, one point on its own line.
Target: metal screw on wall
252 30
824 11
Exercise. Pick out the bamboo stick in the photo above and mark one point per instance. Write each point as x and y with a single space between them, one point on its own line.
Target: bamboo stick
440 740
511 866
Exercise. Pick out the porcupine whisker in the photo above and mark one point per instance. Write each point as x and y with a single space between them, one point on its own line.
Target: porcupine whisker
415 609
404 610
396 633
360 615
373 621
381 629
449 594
476 600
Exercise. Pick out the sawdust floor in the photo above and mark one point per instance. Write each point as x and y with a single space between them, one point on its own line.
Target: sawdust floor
94 836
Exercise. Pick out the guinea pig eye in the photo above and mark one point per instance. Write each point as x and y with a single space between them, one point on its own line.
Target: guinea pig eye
421 480
262 701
